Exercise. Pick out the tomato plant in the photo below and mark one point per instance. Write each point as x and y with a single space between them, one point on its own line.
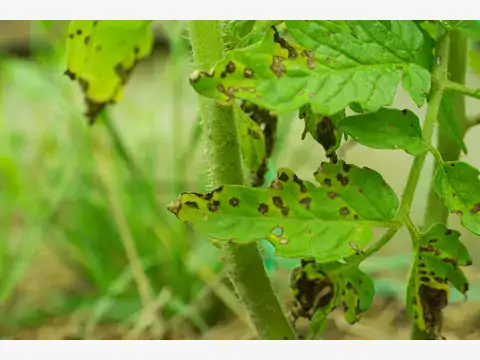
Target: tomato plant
341 78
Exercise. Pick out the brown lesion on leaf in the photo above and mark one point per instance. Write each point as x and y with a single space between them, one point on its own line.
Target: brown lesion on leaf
86 41
213 206
297 180
192 204
275 184
346 167
306 202
263 208
234 201
311 63
332 195
292 53
327 182
277 67
404 111
285 211
231 67
283 177
253 134
248 73
475 209
344 211
343 180
70 74
278 202
448 232
432 301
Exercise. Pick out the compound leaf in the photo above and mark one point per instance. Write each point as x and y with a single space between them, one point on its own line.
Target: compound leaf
458 186
337 63
386 129
298 218
101 56
448 122
416 81
438 254
318 289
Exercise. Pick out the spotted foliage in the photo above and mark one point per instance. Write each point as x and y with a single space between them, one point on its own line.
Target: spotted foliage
438 255
101 56
458 186
318 289
297 217
333 64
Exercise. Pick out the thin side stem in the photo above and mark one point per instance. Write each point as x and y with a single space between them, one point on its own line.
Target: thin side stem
463 89
447 148
244 263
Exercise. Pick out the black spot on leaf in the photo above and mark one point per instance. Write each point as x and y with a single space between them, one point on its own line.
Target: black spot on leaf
234 202
263 208
248 73
230 68
87 40
191 204
475 209
306 202
283 177
79 32
285 211
332 195
404 111
277 201
344 211
327 182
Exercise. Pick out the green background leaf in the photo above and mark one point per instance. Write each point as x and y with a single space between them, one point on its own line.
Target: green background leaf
386 129
448 121
458 186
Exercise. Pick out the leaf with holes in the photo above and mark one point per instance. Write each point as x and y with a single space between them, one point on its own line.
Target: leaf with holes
298 218
458 186
438 255
386 129
318 289
101 56
336 64
449 123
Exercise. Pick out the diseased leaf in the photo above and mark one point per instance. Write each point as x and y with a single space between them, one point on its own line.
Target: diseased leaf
251 140
318 289
470 28
437 257
323 129
458 186
448 122
416 81
336 64
102 54
241 33
298 218
386 129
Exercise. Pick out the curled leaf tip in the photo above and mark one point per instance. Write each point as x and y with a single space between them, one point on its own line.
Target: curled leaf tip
174 206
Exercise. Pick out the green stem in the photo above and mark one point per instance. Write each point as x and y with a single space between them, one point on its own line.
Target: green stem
439 80
245 263
448 149
463 89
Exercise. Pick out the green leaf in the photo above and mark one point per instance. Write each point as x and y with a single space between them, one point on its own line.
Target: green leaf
470 28
386 129
298 218
318 289
447 120
416 81
102 54
336 64
241 33
438 254
458 186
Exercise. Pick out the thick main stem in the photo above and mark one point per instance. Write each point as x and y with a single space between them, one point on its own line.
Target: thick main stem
448 149
245 263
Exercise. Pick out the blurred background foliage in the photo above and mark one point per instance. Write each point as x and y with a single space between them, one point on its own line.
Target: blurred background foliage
87 248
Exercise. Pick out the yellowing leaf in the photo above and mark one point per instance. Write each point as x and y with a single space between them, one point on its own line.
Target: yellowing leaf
101 55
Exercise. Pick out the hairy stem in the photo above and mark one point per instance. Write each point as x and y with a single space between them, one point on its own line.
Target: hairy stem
244 263
463 89
439 80
448 149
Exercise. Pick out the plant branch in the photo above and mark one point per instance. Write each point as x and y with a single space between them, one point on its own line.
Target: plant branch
439 79
255 290
447 148
463 89
473 122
